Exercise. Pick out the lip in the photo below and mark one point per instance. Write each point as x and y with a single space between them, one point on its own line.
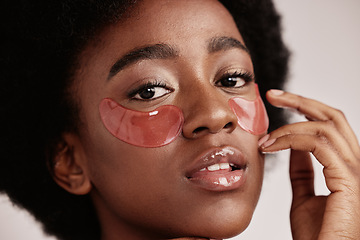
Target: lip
219 179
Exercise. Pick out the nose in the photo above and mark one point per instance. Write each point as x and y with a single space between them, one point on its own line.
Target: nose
207 112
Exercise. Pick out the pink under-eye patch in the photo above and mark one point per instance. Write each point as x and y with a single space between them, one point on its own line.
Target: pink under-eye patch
251 115
144 129
164 124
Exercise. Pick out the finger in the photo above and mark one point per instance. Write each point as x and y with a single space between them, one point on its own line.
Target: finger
301 176
337 172
317 111
324 129
324 153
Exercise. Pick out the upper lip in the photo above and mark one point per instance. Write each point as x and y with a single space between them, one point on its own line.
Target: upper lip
225 154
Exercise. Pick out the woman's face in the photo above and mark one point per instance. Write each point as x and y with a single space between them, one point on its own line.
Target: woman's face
200 66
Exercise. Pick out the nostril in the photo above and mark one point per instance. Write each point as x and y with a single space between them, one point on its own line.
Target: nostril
199 129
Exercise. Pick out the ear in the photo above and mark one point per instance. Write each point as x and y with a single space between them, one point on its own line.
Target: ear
69 166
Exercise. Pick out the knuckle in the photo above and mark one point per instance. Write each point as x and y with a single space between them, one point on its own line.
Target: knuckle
291 137
330 125
322 140
301 102
325 127
289 131
302 176
338 113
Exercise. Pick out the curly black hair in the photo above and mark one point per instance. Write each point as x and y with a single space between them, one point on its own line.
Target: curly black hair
38 57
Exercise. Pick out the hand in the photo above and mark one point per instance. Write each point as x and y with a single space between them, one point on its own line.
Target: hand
330 139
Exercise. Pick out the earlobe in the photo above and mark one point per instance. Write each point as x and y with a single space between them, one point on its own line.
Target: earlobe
69 166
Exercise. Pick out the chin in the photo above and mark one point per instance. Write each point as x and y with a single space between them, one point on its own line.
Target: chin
228 226
226 222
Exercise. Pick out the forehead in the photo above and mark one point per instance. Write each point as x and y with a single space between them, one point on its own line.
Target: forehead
186 25
170 21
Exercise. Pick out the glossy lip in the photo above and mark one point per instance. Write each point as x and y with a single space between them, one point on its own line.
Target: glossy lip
215 181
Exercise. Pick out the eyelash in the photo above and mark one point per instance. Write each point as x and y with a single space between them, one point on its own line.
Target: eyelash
244 75
154 84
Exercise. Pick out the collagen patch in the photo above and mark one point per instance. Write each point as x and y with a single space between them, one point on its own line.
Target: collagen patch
162 126
144 129
251 115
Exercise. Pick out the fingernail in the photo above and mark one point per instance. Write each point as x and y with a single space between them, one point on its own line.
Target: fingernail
268 143
276 92
263 139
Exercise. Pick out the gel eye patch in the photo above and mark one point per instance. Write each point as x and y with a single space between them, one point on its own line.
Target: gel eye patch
162 126
144 129
251 115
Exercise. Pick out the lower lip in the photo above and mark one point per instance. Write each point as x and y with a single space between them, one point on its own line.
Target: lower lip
220 181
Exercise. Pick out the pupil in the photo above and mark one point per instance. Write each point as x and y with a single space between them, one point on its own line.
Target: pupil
147 93
228 82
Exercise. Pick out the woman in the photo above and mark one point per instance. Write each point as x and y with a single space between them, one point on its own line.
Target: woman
195 65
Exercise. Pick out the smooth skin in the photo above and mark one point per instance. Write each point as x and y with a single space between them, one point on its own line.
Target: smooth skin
331 140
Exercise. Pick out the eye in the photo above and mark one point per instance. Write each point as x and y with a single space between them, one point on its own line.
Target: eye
150 91
234 80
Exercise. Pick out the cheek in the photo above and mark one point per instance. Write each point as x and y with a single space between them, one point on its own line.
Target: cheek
148 181
126 179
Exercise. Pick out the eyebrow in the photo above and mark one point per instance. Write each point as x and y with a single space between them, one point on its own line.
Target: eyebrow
157 51
217 44
165 51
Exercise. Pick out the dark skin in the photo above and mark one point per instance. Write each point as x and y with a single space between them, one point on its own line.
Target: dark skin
331 140
143 193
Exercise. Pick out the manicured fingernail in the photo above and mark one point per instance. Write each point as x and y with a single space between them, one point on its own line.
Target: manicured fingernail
268 143
276 92
264 139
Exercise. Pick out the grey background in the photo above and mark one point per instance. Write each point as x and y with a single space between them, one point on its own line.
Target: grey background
324 37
